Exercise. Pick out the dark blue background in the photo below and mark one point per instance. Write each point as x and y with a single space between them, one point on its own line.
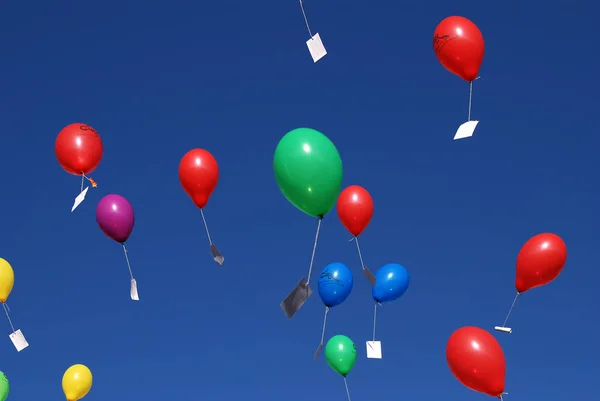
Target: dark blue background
157 78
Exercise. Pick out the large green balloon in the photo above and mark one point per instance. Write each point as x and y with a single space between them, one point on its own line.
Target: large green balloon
340 353
308 170
4 387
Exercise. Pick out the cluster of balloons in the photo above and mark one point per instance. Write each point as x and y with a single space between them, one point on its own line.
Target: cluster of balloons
309 172
308 169
79 150
474 356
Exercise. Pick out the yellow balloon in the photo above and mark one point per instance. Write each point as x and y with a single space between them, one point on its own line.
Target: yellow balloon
77 382
7 279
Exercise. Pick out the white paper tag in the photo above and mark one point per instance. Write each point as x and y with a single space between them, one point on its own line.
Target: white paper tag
466 130
18 340
133 292
79 199
374 350
316 48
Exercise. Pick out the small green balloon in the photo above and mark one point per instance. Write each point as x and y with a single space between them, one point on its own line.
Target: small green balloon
308 170
340 353
4 387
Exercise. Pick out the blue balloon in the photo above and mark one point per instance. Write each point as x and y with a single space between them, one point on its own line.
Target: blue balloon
392 283
335 284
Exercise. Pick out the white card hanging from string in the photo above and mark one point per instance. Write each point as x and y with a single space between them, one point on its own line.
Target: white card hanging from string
367 273
503 328
314 44
83 192
299 295
374 347
133 290
214 251
467 129
16 336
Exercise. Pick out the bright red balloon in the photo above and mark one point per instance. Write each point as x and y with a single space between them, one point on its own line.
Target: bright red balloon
477 360
355 209
78 148
199 175
540 261
458 45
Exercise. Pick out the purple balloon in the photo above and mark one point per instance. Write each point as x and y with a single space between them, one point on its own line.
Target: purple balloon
114 215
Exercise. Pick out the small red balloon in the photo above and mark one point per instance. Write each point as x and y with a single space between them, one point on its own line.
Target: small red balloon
78 148
355 209
458 45
540 261
199 175
477 360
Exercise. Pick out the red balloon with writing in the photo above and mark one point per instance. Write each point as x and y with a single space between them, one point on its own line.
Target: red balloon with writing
199 175
355 209
540 261
78 148
458 45
477 360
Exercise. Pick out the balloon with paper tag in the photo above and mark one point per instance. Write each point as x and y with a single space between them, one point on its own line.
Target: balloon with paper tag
199 176
4 387
355 210
539 262
77 382
335 285
308 170
115 217
79 149
7 282
392 282
340 353
459 47
476 360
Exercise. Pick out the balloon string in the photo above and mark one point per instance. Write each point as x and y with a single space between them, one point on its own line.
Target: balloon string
305 19
362 264
510 310
312 258
8 316
324 324
206 227
470 99
374 320
347 391
127 259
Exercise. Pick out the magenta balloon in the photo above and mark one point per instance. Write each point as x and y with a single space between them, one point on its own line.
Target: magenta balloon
114 215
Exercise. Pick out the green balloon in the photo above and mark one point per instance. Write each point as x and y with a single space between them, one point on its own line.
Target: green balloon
4 387
340 353
308 170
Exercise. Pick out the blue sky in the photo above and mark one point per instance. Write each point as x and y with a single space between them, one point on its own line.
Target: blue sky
158 78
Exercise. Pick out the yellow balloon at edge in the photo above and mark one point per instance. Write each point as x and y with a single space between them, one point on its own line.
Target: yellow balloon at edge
7 279
77 382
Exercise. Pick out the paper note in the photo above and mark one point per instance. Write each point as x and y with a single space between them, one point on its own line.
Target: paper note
316 48
79 199
133 292
503 329
295 299
374 349
18 340
216 254
466 130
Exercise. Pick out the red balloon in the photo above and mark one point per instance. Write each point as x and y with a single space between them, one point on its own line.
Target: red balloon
458 45
199 175
477 360
78 148
355 209
540 261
